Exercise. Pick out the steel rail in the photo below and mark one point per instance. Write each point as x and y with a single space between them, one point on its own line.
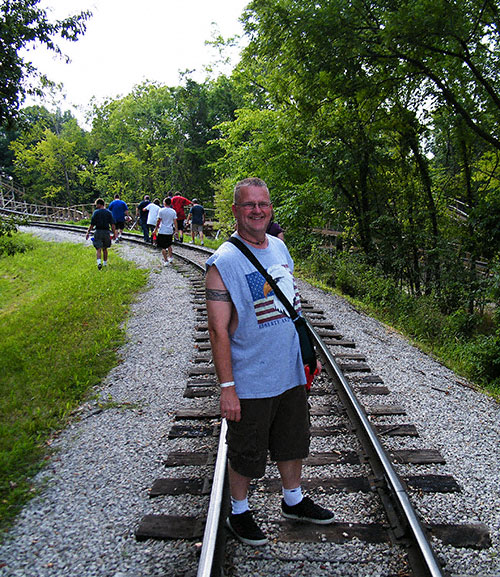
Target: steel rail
127 236
210 555
207 556
423 557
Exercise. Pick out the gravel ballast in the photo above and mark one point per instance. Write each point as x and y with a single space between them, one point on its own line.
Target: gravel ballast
94 491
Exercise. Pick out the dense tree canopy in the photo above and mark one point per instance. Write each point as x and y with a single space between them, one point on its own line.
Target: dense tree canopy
393 109
24 23
155 140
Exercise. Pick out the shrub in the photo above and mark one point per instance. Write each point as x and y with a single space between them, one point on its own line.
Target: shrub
466 342
12 245
460 324
10 242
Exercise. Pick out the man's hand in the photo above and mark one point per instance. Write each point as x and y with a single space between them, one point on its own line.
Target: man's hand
230 404
309 376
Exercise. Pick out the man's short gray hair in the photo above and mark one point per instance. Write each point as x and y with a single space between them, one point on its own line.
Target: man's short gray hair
247 182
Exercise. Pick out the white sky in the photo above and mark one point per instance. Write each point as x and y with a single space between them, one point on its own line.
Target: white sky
129 41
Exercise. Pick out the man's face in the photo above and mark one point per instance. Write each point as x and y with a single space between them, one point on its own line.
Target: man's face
251 217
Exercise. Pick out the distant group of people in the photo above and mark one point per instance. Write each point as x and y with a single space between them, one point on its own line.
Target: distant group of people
160 225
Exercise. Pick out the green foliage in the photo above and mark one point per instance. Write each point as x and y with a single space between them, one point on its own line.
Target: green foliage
50 167
158 139
24 24
52 158
478 358
155 140
10 242
460 325
310 51
462 340
223 199
58 337
10 245
8 225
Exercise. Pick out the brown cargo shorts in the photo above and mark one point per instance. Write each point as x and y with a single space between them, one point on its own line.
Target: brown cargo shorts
279 425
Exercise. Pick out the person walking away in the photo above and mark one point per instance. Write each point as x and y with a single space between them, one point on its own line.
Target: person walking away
178 204
259 365
119 210
196 217
166 225
142 212
274 229
153 209
102 221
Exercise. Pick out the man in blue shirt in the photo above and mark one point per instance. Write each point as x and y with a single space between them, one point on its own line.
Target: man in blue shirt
197 218
258 362
119 210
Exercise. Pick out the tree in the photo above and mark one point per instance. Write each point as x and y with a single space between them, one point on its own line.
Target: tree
51 157
448 50
158 139
23 23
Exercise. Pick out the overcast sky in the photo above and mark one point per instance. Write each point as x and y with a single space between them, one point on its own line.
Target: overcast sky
129 41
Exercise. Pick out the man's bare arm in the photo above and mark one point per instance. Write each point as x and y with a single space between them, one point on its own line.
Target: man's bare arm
220 311
217 295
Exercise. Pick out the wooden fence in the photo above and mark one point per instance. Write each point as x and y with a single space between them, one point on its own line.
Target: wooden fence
12 202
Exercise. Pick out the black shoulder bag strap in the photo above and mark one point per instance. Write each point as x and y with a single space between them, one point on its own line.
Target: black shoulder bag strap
306 344
255 261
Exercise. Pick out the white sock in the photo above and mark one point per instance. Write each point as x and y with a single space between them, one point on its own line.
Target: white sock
292 496
239 507
98 261
105 263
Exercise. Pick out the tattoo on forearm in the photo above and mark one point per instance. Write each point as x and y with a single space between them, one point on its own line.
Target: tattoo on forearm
217 295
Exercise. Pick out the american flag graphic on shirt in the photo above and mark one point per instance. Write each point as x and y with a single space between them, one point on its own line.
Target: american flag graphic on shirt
267 306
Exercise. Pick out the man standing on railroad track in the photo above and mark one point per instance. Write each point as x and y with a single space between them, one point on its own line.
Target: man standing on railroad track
166 225
153 209
197 218
142 213
259 365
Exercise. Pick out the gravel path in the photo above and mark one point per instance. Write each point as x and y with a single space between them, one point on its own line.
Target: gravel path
94 490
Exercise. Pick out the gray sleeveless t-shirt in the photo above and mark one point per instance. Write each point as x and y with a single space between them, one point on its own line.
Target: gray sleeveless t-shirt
265 351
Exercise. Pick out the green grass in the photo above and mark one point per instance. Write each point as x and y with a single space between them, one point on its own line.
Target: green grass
61 322
208 242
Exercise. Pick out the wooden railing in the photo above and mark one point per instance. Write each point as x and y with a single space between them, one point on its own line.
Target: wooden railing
12 202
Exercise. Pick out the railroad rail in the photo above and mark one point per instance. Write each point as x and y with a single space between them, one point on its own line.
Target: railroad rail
335 403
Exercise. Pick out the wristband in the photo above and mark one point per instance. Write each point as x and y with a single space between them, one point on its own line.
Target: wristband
227 384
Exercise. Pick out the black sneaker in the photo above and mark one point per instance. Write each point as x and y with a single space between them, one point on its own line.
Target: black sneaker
307 510
99 266
246 529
